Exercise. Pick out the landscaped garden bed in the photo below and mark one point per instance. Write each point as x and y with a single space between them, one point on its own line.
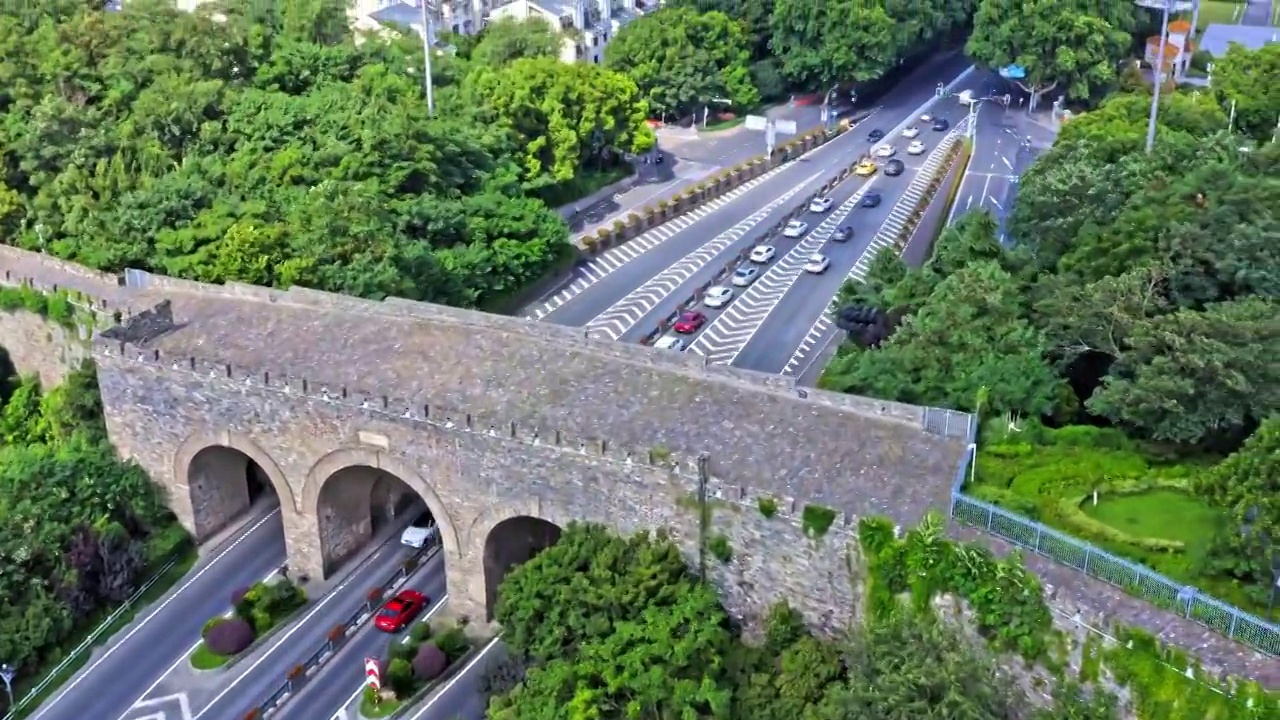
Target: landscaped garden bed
256 612
1123 496
416 664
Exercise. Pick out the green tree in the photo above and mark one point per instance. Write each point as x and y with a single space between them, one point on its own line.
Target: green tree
1072 46
506 40
752 14
683 60
562 115
830 42
1250 80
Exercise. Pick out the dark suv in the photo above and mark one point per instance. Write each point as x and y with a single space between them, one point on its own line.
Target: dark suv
844 234
875 136
941 125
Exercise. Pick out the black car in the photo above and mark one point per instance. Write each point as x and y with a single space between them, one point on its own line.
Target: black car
875 136
871 199
941 125
894 167
844 234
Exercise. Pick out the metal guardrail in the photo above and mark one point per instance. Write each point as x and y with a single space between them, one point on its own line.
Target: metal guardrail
1137 580
301 674
92 638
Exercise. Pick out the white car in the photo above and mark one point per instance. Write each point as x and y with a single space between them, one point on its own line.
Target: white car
916 148
763 253
670 343
421 531
817 264
911 132
821 205
745 275
717 297
886 151
926 118
966 97
795 229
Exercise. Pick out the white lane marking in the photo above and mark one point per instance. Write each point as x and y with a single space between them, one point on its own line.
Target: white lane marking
623 315
729 334
884 238
985 186
609 261
454 680
1006 162
173 595
342 714
297 625
997 204
183 702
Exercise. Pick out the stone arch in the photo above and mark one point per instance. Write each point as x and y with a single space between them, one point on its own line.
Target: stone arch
526 527
212 507
344 459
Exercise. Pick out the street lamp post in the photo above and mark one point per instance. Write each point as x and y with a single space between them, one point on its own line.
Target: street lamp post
1158 75
7 673
826 104
426 55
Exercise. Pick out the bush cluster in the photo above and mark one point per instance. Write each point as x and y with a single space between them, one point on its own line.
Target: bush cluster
423 656
228 636
264 604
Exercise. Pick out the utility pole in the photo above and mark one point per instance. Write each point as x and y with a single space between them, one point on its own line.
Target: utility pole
426 58
1231 120
7 674
1158 77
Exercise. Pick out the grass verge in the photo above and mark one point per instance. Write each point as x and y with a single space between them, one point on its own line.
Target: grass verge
166 582
205 659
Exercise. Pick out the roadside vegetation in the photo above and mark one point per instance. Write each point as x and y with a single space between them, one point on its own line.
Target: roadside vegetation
1126 342
80 530
603 626
256 611
415 664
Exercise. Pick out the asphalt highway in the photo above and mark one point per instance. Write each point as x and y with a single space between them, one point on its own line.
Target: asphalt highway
335 690
108 686
1000 155
768 335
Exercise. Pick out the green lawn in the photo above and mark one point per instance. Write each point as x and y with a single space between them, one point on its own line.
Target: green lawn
1158 513
714 125
205 659
371 709
1215 12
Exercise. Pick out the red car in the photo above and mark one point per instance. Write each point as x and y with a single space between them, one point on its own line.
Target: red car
400 610
690 322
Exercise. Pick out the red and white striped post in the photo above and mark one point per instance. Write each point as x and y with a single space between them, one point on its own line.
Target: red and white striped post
372 674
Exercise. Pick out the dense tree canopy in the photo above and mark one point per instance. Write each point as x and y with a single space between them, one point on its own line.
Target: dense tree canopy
76 525
1247 79
1147 283
506 40
1069 46
683 60
615 628
272 148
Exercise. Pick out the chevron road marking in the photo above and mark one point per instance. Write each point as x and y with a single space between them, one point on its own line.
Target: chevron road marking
731 332
818 334
624 314
610 261
172 707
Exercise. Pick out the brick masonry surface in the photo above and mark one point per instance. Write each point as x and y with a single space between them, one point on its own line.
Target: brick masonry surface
490 418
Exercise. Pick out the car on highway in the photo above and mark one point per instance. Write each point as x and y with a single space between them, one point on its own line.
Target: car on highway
717 296
941 125
916 148
911 132
926 118
821 205
871 199
764 253
746 275
886 151
894 167
966 97
817 264
865 168
400 610
421 531
844 234
689 322
875 135
670 343
794 229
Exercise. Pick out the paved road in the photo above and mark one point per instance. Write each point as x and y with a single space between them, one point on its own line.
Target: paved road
461 697
1258 12
180 692
109 684
335 690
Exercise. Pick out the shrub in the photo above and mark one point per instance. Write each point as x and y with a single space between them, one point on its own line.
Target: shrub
768 507
209 624
261 621
337 633
602 233
401 651
253 714
719 547
421 632
619 226
816 520
400 677
370 696
297 672
430 662
238 595
453 643
633 218
231 636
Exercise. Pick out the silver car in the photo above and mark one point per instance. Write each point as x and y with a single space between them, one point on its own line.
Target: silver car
746 275
717 296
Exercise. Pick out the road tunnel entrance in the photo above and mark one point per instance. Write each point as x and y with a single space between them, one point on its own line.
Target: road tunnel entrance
359 505
225 483
510 543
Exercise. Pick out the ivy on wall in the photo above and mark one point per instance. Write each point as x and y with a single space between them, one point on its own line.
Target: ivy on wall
1010 612
54 306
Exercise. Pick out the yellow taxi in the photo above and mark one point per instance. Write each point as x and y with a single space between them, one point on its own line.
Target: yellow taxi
865 168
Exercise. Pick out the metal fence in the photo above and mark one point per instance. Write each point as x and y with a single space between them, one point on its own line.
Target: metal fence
1095 562
305 671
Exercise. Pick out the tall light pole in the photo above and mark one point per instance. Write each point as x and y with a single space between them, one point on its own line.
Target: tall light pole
1158 75
426 58
7 673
